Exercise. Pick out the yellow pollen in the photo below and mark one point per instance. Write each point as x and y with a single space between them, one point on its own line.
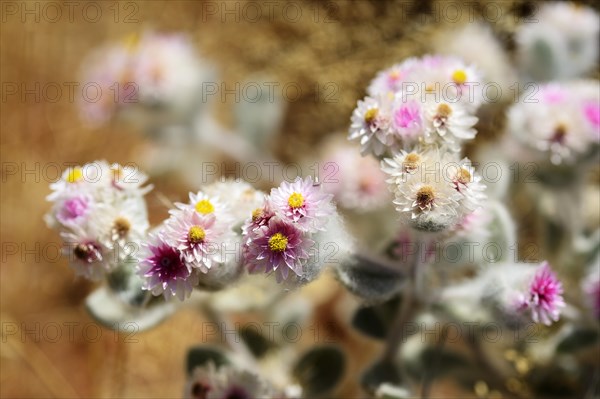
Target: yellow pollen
296 200
444 110
117 173
204 207
429 88
459 76
411 161
425 196
256 214
463 176
278 242
371 114
196 234
395 75
121 226
74 175
131 42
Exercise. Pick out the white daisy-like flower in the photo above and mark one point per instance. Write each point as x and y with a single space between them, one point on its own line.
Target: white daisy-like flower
389 81
358 184
124 224
241 197
205 205
371 126
303 203
88 257
476 44
403 164
199 238
448 124
433 192
150 79
561 44
555 123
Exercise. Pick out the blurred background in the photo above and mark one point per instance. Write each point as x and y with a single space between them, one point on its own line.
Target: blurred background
330 49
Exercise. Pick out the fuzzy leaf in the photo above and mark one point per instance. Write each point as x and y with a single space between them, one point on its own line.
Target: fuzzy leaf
374 321
109 310
201 355
319 370
577 340
370 279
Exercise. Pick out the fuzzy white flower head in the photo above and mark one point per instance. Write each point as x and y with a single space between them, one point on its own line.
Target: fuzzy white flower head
150 78
389 81
371 125
87 255
124 224
476 43
448 124
303 203
446 79
559 42
557 122
433 191
205 204
357 183
241 197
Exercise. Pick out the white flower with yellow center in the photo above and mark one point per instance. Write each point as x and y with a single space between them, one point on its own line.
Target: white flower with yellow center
371 125
303 203
448 124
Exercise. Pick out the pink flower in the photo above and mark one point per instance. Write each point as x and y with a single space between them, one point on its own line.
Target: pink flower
197 237
407 119
302 202
279 246
544 297
164 270
591 110
73 209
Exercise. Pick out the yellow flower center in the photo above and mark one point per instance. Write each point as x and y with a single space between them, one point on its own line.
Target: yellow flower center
117 173
425 196
296 200
459 76
444 110
371 114
196 234
131 42
121 227
256 214
278 242
204 207
74 175
463 176
411 162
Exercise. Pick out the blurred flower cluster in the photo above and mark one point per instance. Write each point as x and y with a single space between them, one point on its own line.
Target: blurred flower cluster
421 235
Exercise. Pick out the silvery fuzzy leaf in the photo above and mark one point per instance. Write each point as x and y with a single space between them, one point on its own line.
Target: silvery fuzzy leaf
374 321
369 278
200 356
108 309
381 372
319 370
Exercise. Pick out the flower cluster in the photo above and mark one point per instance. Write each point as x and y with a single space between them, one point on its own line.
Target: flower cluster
280 235
429 100
433 190
198 244
561 121
100 212
150 72
561 44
